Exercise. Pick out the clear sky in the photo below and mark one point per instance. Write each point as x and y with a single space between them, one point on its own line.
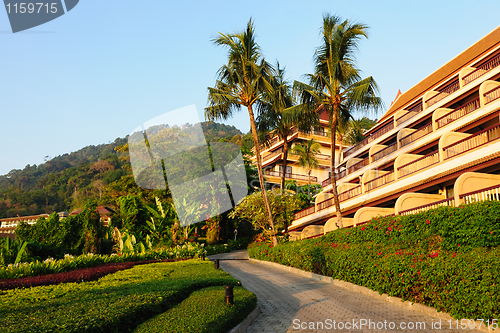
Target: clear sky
106 67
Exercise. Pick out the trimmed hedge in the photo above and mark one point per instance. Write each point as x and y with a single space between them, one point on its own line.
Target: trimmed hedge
203 311
118 302
447 258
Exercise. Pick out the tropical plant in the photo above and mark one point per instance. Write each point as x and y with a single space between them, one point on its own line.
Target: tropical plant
280 117
242 82
283 206
336 86
307 156
161 220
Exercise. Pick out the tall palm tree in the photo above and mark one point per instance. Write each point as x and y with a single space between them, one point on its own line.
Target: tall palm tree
281 117
336 85
242 82
307 157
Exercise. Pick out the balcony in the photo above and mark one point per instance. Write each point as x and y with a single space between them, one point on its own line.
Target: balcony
273 154
421 132
445 202
290 176
474 141
489 193
481 70
449 89
492 95
379 181
304 212
384 152
458 113
405 117
361 164
419 164
389 126
353 192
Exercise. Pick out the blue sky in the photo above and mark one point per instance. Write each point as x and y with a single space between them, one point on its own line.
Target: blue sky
106 67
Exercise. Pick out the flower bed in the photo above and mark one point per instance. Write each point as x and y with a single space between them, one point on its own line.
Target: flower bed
447 258
78 275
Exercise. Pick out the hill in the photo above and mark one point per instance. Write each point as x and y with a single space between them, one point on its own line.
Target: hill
66 182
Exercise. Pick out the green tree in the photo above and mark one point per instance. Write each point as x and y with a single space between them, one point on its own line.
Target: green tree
307 156
281 117
336 86
283 206
242 82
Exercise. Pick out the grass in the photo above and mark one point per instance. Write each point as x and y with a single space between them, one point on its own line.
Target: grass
118 302
203 311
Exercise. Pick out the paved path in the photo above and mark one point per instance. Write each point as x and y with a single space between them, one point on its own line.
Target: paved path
287 300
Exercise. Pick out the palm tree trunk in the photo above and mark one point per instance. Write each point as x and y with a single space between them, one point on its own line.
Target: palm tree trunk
261 176
283 165
333 132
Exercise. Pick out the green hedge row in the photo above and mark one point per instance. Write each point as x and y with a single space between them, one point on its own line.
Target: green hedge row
203 311
447 258
118 302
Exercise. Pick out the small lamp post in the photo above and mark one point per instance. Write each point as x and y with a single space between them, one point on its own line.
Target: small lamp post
228 295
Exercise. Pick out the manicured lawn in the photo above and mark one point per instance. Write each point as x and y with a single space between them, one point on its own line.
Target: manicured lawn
203 311
118 302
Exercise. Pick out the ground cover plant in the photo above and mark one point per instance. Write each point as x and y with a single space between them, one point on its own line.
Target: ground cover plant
118 302
206 311
447 258
69 262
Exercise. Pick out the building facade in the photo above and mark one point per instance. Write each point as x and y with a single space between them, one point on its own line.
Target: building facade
438 144
272 157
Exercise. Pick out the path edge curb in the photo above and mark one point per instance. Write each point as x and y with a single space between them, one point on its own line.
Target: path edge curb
247 321
368 292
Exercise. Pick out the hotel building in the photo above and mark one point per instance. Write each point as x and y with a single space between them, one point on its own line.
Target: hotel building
438 144
272 157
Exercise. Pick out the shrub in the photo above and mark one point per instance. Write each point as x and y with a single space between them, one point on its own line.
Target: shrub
118 302
203 311
447 258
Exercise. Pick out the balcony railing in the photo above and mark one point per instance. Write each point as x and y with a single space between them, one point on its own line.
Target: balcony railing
273 154
481 70
489 193
304 212
492 95
320 133
326 182
416 108
325 204
481 138
323 157
384 152
353 192
421 132
379 181
359 165
290 175
405 117
458 113
449 89
389 126
419 164
445 202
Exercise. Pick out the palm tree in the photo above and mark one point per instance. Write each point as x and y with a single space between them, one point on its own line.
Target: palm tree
336 86
242 82
280 117
307 156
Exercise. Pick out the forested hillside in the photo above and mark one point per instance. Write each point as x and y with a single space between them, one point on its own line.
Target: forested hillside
95 173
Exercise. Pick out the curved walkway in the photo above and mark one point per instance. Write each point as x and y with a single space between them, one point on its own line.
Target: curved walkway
290 302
